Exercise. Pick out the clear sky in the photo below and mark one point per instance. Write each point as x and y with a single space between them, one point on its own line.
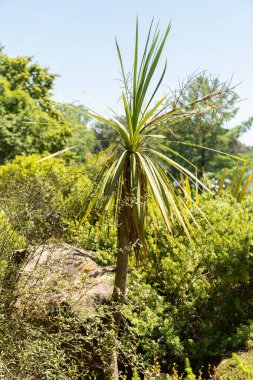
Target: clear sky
76 39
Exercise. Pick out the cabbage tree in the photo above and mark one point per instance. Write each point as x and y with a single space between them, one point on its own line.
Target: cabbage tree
135 171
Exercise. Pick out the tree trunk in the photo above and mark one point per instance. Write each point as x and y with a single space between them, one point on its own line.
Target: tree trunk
203 162
125 240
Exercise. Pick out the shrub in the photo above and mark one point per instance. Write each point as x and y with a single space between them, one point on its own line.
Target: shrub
10 241
190 299
39 198
195 298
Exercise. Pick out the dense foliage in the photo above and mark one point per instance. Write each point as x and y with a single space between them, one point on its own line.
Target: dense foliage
29 121
194 299
41 198
211 130
83 137
189 299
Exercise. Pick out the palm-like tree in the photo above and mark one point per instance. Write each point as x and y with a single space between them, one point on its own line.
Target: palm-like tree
134 170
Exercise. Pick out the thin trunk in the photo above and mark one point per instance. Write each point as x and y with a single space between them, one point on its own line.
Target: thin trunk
203 151
203 162
125 228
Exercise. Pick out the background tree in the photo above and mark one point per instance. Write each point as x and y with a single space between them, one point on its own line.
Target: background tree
23 74
83 135
105 137
29 120
210 130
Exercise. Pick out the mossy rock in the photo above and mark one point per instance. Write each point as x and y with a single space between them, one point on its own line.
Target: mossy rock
238 367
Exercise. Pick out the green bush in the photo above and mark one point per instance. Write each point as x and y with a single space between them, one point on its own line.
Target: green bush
10 241
194 299
53 346
40 198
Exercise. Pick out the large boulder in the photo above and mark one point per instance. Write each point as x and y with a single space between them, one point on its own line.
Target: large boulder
63 274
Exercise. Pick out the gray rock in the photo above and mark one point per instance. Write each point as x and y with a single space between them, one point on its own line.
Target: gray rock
62 274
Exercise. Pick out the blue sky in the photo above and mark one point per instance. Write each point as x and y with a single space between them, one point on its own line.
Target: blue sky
76 39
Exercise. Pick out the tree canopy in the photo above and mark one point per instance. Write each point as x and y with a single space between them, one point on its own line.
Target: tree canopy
83 137
192 135
29 120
